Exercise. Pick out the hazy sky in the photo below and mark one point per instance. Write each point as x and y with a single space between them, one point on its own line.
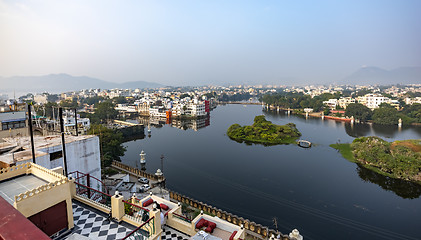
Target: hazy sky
179 42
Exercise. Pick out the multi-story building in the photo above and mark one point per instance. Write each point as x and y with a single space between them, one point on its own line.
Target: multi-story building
13 121
331 103
373 101
411 101
41 98
196 108
345 101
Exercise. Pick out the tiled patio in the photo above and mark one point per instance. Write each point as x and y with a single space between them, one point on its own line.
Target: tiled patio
93 224
96 225
172 234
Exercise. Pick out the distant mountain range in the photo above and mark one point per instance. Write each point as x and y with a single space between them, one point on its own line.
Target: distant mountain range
57 83
375 75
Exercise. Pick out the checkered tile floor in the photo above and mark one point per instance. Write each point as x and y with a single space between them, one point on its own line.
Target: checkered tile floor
95 225
172 234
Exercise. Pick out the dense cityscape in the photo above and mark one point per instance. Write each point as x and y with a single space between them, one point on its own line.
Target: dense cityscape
210 120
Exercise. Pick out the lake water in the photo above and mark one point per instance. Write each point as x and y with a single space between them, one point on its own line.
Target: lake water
314 190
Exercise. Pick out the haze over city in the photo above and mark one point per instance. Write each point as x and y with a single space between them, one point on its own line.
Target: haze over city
208 42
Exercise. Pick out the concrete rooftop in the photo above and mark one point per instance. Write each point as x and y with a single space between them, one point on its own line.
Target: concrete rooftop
12 187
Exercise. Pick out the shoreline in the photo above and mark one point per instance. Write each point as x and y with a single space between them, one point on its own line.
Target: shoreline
345 150
319 115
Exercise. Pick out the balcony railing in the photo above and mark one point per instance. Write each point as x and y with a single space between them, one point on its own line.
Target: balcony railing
143 232
135 211
88 180
182 217
93 194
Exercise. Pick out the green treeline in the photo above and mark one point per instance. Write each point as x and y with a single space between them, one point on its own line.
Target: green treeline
399 159
110 143
263 131
385 114
298 100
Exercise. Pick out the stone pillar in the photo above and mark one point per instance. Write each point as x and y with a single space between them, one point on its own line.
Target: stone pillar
72 186
157 220
117 206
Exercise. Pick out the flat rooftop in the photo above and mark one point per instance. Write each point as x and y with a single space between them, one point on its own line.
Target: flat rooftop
47 141
40 143
12 187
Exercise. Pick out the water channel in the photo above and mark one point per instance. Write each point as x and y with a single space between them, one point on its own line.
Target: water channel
312 189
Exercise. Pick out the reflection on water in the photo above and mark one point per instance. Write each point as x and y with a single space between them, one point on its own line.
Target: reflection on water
357 130
315 189
353 130
183 124
402 188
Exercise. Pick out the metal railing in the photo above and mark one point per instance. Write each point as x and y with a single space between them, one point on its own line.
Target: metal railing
143 232
182 217
93 194
134 210
88 180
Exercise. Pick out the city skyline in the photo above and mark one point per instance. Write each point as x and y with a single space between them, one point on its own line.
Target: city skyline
199 43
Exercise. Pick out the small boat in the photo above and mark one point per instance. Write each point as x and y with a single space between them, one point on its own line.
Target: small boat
304 143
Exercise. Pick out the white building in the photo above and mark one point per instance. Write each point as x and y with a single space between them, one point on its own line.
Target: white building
69 121
373 101
157 111
331 103
345 101
411 101
82 153
40 98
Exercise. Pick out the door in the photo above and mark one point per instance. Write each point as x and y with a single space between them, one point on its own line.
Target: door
52 219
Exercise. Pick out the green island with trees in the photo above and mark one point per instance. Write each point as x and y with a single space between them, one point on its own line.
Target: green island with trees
264 132
398 159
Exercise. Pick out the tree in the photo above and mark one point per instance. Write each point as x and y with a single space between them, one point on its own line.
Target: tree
120 100
93 100
386 115
110 142
358 111
105 111
47 109
52 97
69 104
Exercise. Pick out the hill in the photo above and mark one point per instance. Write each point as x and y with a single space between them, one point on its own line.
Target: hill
375 75
57 83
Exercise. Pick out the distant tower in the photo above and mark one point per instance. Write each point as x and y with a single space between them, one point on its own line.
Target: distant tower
142 161
142 157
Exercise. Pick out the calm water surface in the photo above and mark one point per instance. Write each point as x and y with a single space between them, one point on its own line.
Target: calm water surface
314 190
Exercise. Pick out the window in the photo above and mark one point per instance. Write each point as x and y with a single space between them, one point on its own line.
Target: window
13 125
56 155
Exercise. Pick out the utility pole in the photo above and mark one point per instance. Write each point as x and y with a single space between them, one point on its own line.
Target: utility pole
77 131
31 133
63 144
162 163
